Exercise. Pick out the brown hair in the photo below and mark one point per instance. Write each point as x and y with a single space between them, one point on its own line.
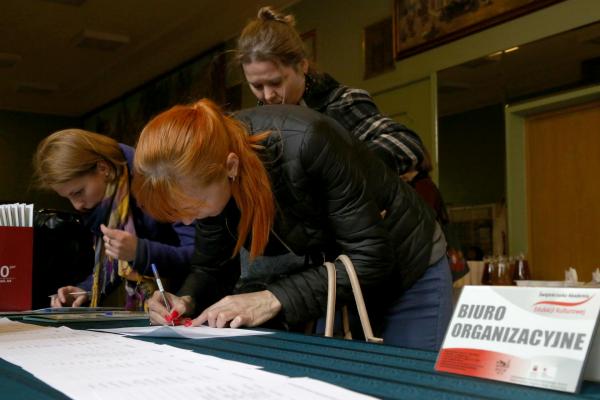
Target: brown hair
72 153
271 37
192 143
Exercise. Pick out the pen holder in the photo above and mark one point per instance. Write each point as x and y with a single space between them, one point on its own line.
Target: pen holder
16 254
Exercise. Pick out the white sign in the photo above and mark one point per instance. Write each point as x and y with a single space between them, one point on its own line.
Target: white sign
532 336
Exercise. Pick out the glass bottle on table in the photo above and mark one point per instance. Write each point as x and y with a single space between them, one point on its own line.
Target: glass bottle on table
488 270
501 276
512 265
521 271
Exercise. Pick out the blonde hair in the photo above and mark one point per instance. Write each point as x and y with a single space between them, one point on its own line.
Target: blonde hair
271 37
191 143
72 153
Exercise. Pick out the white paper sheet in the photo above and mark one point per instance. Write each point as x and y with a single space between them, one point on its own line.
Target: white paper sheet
94 365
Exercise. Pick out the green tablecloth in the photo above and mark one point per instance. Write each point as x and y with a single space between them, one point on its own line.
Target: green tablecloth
377 370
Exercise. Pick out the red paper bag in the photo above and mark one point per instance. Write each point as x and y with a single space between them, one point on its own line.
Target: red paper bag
16 254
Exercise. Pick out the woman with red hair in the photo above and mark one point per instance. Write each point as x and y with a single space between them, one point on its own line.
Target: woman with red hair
287 180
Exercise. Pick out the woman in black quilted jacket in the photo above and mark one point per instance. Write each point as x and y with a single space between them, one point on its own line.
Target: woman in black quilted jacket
285 179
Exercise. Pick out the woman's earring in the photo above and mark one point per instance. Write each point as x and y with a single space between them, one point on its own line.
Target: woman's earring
232 179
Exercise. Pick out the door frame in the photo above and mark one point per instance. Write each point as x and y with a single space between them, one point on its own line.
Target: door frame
516 184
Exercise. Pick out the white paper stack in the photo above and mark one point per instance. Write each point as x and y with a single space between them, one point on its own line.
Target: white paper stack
87 365
17 214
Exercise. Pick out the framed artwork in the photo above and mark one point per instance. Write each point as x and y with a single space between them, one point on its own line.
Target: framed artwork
310 44
423 24
124 118
379 49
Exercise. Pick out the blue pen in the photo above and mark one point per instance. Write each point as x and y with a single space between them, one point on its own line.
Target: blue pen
161 289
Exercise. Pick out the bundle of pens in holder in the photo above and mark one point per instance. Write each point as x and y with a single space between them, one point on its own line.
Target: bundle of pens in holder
16 254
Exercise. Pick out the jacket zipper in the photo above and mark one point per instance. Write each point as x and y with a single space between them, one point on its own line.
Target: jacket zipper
281 241
229 230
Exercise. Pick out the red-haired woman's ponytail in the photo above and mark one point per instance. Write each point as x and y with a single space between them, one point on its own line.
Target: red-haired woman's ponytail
192 143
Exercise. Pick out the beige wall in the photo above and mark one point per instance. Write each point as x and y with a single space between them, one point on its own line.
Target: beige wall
20 134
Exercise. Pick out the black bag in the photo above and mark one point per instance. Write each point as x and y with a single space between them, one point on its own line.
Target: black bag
63 253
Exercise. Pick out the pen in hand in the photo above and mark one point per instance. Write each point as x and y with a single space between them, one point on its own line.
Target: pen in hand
161 289
72 294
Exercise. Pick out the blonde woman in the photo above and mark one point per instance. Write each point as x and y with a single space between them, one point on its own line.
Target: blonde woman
93 172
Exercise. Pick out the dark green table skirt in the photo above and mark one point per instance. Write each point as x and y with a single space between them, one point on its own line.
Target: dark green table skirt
377 370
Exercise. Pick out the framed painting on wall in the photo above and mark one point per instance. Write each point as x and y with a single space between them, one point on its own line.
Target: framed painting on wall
379 55
420 25
124 118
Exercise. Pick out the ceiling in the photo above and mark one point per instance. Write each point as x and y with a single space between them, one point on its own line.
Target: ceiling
559 62
68 57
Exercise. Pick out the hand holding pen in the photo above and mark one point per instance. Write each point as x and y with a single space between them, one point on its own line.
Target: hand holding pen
162 294
179 306
69 296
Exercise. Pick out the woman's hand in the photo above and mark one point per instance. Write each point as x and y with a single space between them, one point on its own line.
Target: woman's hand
64 298
248 309
159 315
119 244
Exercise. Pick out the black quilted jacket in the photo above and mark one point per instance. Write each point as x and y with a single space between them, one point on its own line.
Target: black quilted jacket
330 192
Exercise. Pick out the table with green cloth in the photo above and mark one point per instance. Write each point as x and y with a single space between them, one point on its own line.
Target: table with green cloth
377 370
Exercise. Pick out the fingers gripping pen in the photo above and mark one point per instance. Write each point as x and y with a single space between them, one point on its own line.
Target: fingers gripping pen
161 289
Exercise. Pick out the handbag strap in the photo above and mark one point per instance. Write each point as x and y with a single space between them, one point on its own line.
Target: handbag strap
358 298
331 291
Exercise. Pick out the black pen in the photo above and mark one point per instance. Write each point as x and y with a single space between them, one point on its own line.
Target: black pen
161 289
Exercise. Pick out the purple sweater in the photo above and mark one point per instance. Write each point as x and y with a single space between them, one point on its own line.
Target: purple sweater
169 246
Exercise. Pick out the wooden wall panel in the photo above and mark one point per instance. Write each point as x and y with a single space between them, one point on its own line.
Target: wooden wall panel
563 191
